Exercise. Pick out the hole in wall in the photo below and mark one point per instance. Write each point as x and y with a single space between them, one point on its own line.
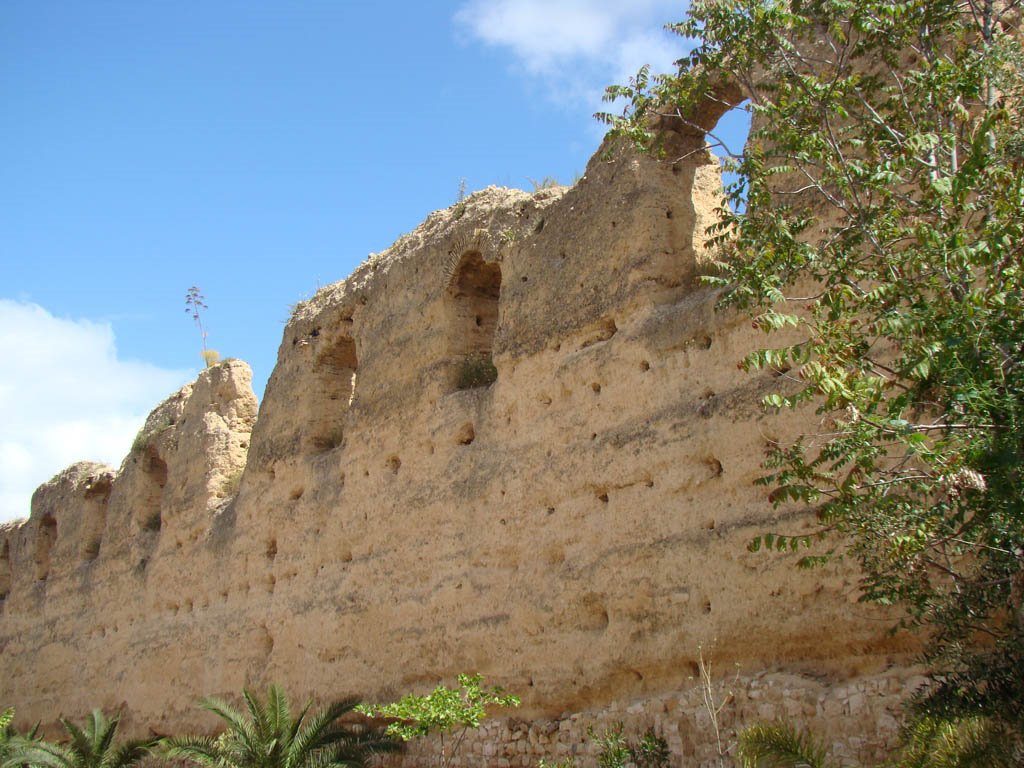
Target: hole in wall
296 493
334 383
602 330
271 549
150 497
472 302
94 514
6 573
466 434
645 366
46 537
393 464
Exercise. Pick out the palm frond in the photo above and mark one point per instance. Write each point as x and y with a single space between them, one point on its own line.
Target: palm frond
278 711
293 728
260 723
779 746
240 727
81 743
102 736
47 755
127 753
199 749
319 732
360 746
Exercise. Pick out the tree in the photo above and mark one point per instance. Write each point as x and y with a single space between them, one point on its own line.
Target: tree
877 220
90 746
267 736
443 711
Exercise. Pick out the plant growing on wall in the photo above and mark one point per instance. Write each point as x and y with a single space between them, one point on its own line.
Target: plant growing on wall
476 370
877 220
447 712
195 305
268 736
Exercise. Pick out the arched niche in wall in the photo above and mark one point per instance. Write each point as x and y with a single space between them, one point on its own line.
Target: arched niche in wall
472 299
46 537
149 501
94 515
5 571
335 384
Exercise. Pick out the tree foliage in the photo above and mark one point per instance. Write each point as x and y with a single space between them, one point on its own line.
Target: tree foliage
268 736
443 711
876 228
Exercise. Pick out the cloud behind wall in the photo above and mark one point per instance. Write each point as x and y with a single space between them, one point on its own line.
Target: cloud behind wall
577 47
65 396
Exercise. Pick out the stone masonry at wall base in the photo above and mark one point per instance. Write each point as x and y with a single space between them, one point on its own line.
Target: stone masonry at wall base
857 721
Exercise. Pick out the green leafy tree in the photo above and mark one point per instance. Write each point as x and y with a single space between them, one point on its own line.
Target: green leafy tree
268 736
444 711
92 745
877 220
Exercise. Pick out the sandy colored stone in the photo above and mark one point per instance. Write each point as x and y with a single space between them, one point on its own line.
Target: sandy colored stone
575 530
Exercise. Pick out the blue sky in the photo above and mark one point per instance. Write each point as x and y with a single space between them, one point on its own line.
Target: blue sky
258 150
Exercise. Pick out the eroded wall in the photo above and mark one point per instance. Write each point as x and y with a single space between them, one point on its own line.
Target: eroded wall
571 523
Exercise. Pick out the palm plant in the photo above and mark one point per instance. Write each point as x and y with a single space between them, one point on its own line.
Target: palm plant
90 746
268 737
779 746
6 734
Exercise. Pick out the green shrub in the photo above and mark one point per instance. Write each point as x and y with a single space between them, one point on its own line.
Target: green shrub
476 370
443 711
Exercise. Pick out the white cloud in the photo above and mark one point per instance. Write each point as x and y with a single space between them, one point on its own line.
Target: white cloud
577 47
66 397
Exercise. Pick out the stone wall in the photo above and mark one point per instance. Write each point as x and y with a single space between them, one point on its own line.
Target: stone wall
699 722
571 523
